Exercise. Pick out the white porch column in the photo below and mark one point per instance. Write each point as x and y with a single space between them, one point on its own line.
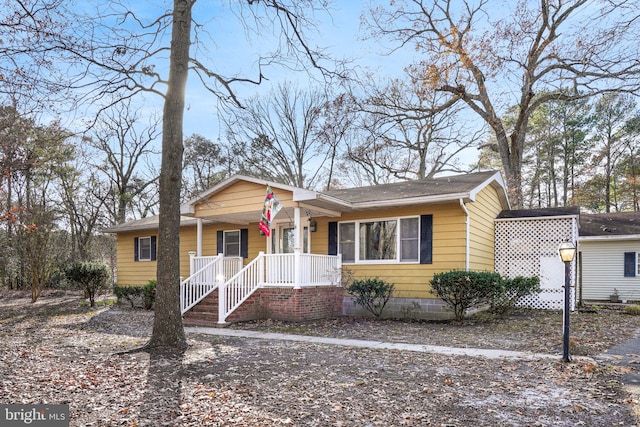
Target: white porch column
222 292
297 248
199 237
192 265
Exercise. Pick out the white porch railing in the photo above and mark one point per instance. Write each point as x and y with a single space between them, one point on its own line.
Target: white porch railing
315 270
197 263
207 273
320 270
276 270
201 282
238 288
236 284
231 266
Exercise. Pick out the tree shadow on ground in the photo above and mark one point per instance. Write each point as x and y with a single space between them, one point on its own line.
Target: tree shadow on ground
160 404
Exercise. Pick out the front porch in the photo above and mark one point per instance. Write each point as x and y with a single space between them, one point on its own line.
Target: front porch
293 286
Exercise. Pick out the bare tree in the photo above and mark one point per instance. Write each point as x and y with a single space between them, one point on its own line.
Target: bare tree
334 130
111 53
204 165
124 145
83 198
530 55
277 136
411 136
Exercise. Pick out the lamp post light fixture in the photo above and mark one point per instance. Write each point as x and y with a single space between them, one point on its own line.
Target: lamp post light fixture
567 251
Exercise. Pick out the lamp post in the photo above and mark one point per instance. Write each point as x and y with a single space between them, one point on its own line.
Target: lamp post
567 251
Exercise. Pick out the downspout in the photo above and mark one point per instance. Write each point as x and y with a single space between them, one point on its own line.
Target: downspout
467 234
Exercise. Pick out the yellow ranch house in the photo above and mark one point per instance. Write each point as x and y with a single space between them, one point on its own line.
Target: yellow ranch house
291 268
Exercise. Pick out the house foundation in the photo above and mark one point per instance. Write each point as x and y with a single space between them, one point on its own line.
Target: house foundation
403 308
277 303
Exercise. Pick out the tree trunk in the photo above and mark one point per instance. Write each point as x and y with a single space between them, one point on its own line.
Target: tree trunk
511 157
167 326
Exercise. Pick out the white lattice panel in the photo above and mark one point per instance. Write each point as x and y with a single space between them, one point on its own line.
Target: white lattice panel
529 247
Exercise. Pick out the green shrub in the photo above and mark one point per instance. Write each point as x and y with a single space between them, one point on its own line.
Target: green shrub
632 309
129 293
139 295
149 294
512 290
371 294
463 290
91 277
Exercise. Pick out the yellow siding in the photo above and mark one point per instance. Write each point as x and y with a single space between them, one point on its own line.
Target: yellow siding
411 280
482 214
132 272
237 197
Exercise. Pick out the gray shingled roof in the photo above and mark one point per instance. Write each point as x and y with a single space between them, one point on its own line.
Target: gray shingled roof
149 223
408 189
458 186
610 224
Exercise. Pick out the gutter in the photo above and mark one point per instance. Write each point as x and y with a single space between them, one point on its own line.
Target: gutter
467 223
613 237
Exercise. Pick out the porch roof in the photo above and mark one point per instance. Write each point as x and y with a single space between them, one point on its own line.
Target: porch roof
149 223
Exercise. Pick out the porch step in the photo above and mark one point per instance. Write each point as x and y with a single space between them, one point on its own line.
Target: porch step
205 313
200 319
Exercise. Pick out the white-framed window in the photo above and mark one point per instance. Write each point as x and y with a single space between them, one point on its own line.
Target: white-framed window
347 236
380 240
231 243
631 264
144 248
410 239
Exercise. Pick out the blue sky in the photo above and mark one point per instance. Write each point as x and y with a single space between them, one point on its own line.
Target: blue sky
340 34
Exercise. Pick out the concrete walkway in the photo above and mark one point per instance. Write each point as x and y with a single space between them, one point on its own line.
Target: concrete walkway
436 349
626 354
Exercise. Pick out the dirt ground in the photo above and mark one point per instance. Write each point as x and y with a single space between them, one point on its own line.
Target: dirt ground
60 351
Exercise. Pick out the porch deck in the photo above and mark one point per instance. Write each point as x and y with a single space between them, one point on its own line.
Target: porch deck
269 284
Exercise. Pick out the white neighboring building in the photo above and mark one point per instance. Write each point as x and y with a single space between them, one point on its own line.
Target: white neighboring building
609 260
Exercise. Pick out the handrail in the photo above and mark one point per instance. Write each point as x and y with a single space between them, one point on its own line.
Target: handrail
264 270
276 270
240 287
196 287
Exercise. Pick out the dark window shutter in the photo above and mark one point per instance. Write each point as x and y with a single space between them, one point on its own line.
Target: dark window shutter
426 239
244 242
333 238
153 248
135 249
629 264
220 242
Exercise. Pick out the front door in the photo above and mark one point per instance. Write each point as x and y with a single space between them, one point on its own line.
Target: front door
283 240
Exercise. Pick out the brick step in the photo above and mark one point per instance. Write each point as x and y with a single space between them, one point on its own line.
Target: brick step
201 315
204 308
213 323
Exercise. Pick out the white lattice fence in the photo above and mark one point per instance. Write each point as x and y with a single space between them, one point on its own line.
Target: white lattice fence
529 247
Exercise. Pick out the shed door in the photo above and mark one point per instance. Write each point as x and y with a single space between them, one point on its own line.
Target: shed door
552 282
